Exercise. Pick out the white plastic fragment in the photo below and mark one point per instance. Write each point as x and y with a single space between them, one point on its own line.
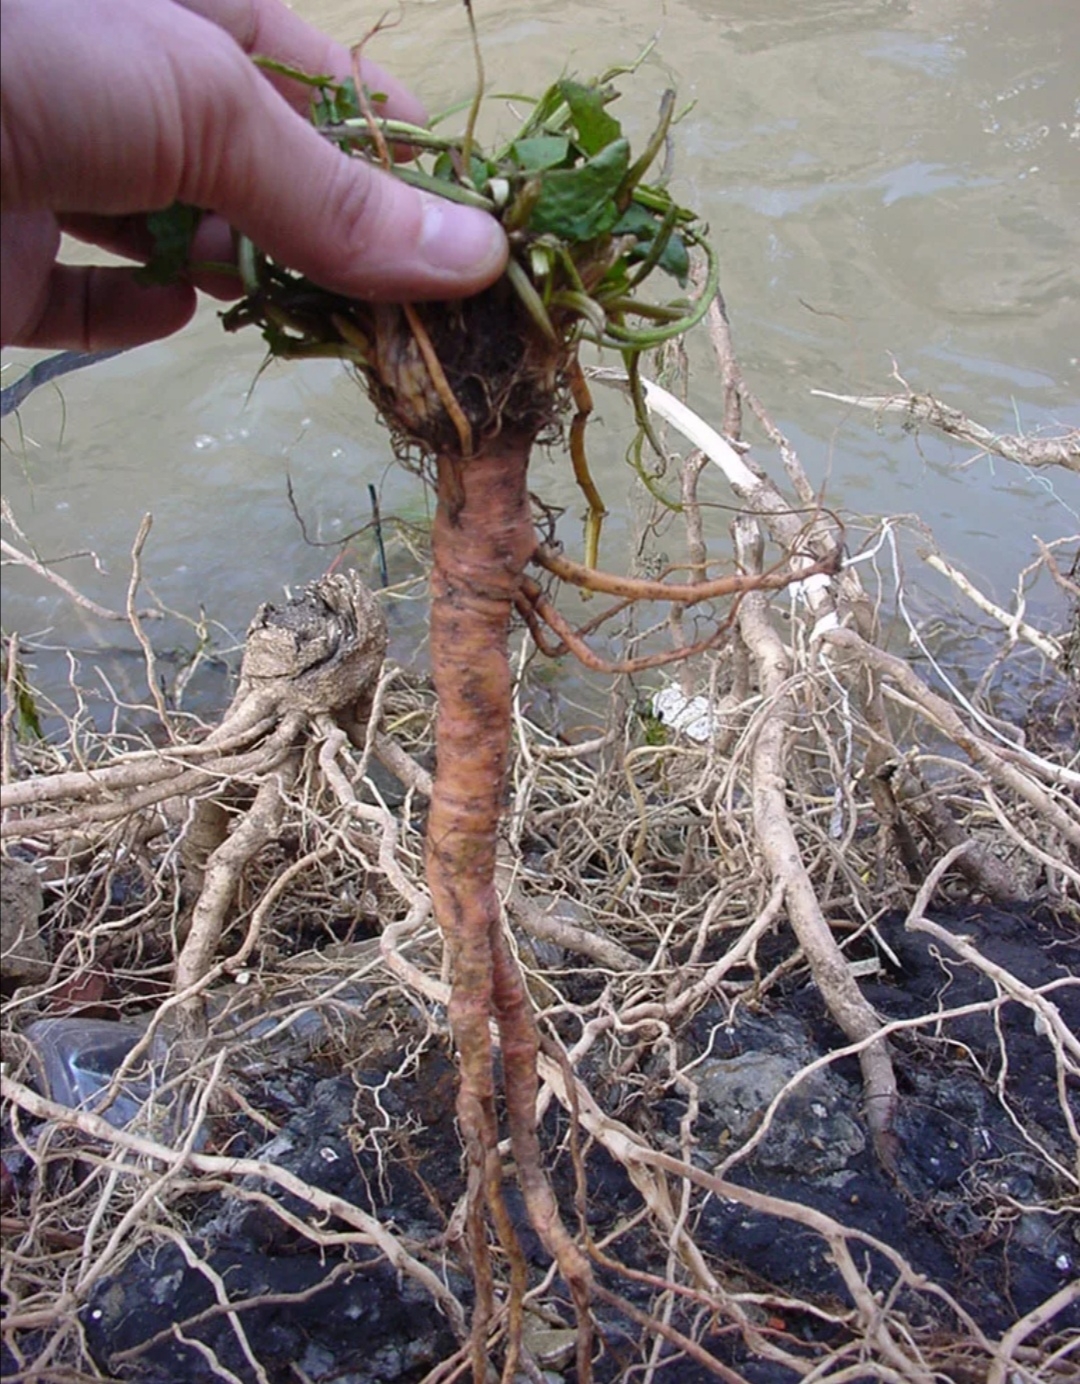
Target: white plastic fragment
824 624
691 716
808 587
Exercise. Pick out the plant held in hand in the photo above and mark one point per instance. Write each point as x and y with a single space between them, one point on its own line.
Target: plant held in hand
466 389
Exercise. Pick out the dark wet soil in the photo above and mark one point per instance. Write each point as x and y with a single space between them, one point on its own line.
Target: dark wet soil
974 1202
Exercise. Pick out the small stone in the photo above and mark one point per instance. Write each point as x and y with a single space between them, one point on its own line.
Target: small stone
21 947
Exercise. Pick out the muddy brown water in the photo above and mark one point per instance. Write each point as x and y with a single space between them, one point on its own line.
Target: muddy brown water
883 180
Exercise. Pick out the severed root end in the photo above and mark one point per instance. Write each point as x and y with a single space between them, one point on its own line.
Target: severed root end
320 653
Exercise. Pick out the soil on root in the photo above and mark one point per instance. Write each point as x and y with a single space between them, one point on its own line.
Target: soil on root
496 364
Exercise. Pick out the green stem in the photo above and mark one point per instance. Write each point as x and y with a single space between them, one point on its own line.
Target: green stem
474 109
454 192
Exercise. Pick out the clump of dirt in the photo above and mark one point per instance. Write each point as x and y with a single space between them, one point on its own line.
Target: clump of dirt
497 364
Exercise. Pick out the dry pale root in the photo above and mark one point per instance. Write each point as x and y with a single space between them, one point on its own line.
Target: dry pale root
919 409
787 869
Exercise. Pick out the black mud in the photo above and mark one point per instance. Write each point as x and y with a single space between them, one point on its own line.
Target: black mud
976 1203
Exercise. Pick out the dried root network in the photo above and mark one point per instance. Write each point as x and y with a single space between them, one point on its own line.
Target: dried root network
681 952
662 890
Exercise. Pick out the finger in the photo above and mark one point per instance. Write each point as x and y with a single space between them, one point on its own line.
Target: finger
210 131
268 28
215 244
211 270
92 309
128 236
30 241
338 220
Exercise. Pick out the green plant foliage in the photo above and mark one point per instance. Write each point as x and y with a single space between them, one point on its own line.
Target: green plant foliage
537 152
585 228
643 225
26 720
173 231
579 203
654 731
588 234
336 103
594 128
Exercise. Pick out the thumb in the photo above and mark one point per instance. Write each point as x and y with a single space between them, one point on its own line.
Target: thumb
338 220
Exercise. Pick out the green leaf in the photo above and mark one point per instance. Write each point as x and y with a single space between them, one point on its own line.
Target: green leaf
542 112
637 221
676 259
27 722
616 281
595 128
26 719
542 151
173 231
578 203
284 69
653 728
446 166
445 179
337 101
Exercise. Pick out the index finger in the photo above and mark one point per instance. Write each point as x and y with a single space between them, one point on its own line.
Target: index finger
268 28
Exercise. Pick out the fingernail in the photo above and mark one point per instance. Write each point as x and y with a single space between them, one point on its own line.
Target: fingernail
459 240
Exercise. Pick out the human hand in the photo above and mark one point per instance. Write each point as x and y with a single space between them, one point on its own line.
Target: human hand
115 108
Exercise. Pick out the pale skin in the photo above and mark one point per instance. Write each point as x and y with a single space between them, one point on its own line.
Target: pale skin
110 109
